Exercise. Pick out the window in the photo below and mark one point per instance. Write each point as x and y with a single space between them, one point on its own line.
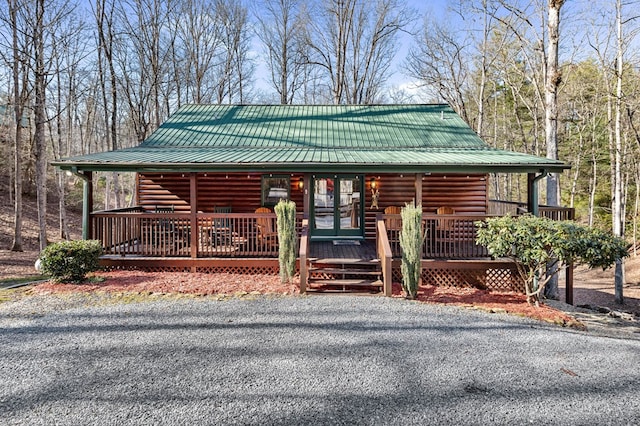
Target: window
274 189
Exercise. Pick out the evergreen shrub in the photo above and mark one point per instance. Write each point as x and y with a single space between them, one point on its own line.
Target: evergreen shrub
71 261
286 222
411 240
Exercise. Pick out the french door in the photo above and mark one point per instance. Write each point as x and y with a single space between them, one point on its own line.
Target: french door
337 206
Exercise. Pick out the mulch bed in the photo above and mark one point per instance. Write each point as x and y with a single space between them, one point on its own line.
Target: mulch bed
237 284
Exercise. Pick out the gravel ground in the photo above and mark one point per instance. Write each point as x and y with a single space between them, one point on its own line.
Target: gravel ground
304 360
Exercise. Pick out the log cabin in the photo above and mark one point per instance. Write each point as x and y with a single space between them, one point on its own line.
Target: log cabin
209 177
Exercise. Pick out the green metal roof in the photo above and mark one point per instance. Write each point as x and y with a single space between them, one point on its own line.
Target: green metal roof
313 138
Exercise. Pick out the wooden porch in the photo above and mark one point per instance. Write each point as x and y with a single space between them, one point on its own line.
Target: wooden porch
231 242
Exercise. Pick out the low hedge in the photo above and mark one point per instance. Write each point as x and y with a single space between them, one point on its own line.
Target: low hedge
71 261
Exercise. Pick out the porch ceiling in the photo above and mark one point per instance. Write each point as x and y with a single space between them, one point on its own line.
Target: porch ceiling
364 139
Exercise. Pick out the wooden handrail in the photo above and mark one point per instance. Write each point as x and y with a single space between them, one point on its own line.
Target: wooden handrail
386 256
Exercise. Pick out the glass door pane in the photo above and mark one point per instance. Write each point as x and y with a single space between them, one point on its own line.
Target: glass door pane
350 203
323 203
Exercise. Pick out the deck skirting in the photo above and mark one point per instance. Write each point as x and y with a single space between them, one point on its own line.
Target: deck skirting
487 274
267 266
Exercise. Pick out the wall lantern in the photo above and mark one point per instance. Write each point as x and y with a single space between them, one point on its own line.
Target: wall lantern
375 193
300 184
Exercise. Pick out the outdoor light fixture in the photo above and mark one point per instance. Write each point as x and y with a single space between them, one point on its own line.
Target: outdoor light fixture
300 184
373 183
375 194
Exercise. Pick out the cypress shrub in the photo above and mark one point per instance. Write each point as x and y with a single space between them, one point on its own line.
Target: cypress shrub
411 240
71 261
286 221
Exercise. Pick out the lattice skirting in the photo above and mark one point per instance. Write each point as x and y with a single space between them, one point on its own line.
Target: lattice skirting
501 276
232 269
240 266
257 270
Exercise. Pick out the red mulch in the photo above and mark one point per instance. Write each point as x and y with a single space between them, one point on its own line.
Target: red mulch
490 301
175 282
234 284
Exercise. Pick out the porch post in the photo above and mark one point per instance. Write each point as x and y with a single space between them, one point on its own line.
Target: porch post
532 192
418 185
193 195
306 199
87 200
568 284
87 204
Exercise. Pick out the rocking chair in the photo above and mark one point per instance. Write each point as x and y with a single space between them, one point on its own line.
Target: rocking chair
267 236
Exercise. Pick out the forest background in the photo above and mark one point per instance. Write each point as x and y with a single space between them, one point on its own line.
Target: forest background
545 77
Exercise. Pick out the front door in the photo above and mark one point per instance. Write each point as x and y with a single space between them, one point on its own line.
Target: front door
337 206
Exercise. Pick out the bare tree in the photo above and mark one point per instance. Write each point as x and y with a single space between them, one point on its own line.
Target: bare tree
355 43
199 41
104 12
17 42
234 67
441 61
281 28
142 57
69 48
618 196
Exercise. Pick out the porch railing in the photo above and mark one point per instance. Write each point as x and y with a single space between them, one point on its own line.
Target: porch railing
515 208
453 236
445 236
131 232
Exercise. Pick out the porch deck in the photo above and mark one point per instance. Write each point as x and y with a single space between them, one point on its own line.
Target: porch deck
231 243
342 251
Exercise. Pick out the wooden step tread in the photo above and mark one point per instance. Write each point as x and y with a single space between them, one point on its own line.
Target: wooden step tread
330 291
345 282
346 271
338 261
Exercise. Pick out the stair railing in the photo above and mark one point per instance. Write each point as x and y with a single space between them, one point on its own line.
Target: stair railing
385 255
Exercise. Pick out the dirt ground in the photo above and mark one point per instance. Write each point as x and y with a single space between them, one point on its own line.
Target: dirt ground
593 288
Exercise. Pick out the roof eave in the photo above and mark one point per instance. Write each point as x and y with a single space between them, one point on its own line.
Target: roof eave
315 167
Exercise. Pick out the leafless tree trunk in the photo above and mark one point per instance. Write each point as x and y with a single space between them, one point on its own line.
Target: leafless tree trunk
617 210
40 76
553 78
17 56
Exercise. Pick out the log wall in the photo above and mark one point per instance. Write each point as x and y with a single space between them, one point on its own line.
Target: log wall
466 194
240 191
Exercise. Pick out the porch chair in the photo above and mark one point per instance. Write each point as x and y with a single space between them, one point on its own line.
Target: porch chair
167 236
267 236
444 227
393 224
221 227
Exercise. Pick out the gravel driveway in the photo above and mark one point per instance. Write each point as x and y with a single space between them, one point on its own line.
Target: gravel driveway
306 360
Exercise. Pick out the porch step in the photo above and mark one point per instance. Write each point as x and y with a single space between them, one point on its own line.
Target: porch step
347 282
344 286
350 262
345 271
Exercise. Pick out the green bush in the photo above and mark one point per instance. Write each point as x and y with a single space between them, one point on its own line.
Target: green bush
537 244
71 261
